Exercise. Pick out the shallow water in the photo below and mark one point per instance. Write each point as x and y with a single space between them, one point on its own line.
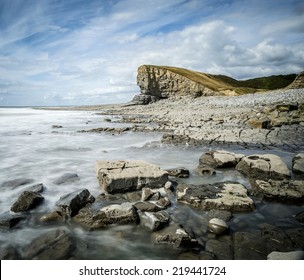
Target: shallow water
31 148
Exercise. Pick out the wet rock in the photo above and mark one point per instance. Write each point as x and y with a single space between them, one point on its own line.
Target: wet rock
169 188
106 199
9 220
220 214
298 164
35 188
163 203
222 196
147 193
52 245
280 189
217 226
205 170
294 255
93 218
263 167
179 172
27 201
154 221
73 202
222 248
16 182
123 176
174 236
300 217
146 206
8 252
66 178
220 159
55 216
134 196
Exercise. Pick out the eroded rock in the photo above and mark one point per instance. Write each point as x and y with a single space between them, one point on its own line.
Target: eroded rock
27 201
220 159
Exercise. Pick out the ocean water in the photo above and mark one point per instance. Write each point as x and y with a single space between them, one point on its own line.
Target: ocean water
30 148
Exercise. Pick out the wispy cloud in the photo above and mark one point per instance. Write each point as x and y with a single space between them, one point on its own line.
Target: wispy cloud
87 52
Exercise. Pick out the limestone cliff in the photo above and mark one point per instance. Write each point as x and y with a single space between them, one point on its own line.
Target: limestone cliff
162 82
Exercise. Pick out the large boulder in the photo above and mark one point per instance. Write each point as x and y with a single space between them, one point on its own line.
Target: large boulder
123 176
263 167
71 203
27 201
298 164
223 196
220 159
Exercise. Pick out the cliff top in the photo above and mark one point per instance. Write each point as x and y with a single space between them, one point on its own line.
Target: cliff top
222 83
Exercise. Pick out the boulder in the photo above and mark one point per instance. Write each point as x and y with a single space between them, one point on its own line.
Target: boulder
217 226
179 172
124 176
174 236
293 255
298 164
9 220
52 245
66 178
163 202
27 201
220 159
35 188
263 167
71 203
154 221
280 189
222 196
93 218
147 193
146 206
55 216
220 214
144 99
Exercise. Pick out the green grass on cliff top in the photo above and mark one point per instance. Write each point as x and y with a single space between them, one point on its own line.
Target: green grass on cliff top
222 83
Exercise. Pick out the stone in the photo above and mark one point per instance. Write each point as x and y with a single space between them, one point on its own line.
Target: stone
293 255
163 202
35 188
169 188
220 159
298 164
205 170
174 236
221 248
146 206
220 214
262 123
124 176
222 196
66 178
134 196
154 221
217 226
286 190
144 99
27 201
9 220
179 172
71 203
93 218
55 216
300 217
263 167
16 183
147 193
52 245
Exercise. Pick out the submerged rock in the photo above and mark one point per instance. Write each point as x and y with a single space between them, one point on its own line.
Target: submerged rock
66 178
27 201
217 226
222 196
9 220
123 176
263 167
16 182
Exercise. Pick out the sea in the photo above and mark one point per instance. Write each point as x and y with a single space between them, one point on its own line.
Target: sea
42 145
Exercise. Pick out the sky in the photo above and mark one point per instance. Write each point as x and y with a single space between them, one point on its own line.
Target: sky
80 52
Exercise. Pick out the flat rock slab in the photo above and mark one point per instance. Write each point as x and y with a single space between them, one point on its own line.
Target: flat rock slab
222 196
123 176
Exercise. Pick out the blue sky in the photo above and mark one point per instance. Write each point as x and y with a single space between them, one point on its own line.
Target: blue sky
80 52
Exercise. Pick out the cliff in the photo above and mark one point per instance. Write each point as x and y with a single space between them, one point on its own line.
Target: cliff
298 82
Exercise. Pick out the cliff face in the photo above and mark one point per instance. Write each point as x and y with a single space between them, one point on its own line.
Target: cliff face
298 82
157 82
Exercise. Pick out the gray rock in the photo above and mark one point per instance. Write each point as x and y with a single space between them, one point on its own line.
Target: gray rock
144 99
154 221
146 206
163 203
35 188
93 218
9 220
221 248
147 193
222 196
174 236
280 189
263 167
298 164
134 196
27 201
220 214
217 226
169 187
55 216
66 178
205 170
16 182
123 176
294 255
220 159
52 245
73 202
179 172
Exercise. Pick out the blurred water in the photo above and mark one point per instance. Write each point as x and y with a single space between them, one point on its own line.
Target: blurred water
31 148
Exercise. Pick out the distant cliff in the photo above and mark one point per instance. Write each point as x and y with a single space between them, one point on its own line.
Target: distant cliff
298 82
157 82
